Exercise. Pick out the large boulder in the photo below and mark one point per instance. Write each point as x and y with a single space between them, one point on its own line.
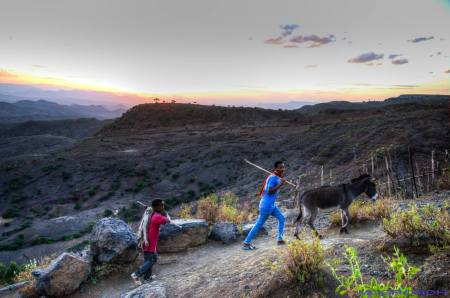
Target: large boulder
63 276
247 228
227 232
155 289
182 234
113 241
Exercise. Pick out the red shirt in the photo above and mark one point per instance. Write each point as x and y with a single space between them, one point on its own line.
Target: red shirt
157 219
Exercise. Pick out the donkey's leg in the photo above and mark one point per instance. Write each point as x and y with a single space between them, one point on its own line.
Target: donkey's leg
346 216
311 220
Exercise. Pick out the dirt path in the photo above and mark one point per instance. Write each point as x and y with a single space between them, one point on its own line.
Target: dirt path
223 270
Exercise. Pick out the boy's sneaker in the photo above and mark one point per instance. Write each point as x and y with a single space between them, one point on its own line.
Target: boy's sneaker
136 279
248 246
281 242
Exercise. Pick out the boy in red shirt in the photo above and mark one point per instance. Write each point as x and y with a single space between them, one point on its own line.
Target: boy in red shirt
157 218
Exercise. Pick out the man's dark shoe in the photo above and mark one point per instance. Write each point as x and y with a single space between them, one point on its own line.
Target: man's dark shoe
281 242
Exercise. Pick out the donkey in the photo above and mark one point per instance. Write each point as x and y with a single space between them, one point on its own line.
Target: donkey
333 196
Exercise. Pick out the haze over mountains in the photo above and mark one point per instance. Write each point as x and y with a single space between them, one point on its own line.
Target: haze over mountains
25 110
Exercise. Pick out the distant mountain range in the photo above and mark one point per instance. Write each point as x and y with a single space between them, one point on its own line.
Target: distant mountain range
402 99
25 110
15 92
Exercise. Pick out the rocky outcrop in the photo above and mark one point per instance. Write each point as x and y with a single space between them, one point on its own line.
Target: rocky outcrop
227 232
63 276
247 228
182 234
155 289
113 241
435 272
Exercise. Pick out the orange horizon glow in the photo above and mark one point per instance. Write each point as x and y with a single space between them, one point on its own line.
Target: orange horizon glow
349 93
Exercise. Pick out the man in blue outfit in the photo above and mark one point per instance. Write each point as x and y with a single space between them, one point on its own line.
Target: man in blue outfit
267 206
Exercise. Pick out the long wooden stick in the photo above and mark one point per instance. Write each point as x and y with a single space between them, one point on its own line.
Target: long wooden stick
264 170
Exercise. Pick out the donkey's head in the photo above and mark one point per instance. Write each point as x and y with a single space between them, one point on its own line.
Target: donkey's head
370 188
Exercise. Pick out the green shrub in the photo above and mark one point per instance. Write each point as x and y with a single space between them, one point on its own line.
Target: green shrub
354 285
8 273
432 224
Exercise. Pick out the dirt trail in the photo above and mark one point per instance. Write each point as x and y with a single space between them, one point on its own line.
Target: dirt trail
223 270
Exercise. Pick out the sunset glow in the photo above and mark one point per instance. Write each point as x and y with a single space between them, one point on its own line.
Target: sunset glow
237 54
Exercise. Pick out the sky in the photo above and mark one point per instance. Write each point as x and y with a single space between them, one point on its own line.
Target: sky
228 52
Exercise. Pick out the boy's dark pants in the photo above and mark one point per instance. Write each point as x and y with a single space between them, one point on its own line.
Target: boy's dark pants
146 269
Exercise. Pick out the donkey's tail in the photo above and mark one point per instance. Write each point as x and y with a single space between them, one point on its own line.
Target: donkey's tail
300 214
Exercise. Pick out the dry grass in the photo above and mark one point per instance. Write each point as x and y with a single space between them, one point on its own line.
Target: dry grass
362 211
185 211
303 261
27 269
224 208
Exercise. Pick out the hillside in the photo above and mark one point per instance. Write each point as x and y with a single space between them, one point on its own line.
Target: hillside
180 152
148 116
71 128
26 110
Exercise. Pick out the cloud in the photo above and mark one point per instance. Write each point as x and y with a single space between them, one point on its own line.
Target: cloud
316 41
406 86
420 39
288 29
447 71
311 65
366 57
289 46
275 40
399 61
393 56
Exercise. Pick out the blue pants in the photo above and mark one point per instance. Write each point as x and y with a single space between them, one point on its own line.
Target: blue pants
263 215
146 269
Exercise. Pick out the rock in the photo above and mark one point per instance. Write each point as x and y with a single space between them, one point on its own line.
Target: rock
247 227
226 232
63 276
155 289
181 234
14 288
435 272
113 241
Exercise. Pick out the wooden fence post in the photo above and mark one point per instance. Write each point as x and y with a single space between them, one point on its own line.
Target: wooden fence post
387 175
432 166
414 190
371 158
321 177
419 181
